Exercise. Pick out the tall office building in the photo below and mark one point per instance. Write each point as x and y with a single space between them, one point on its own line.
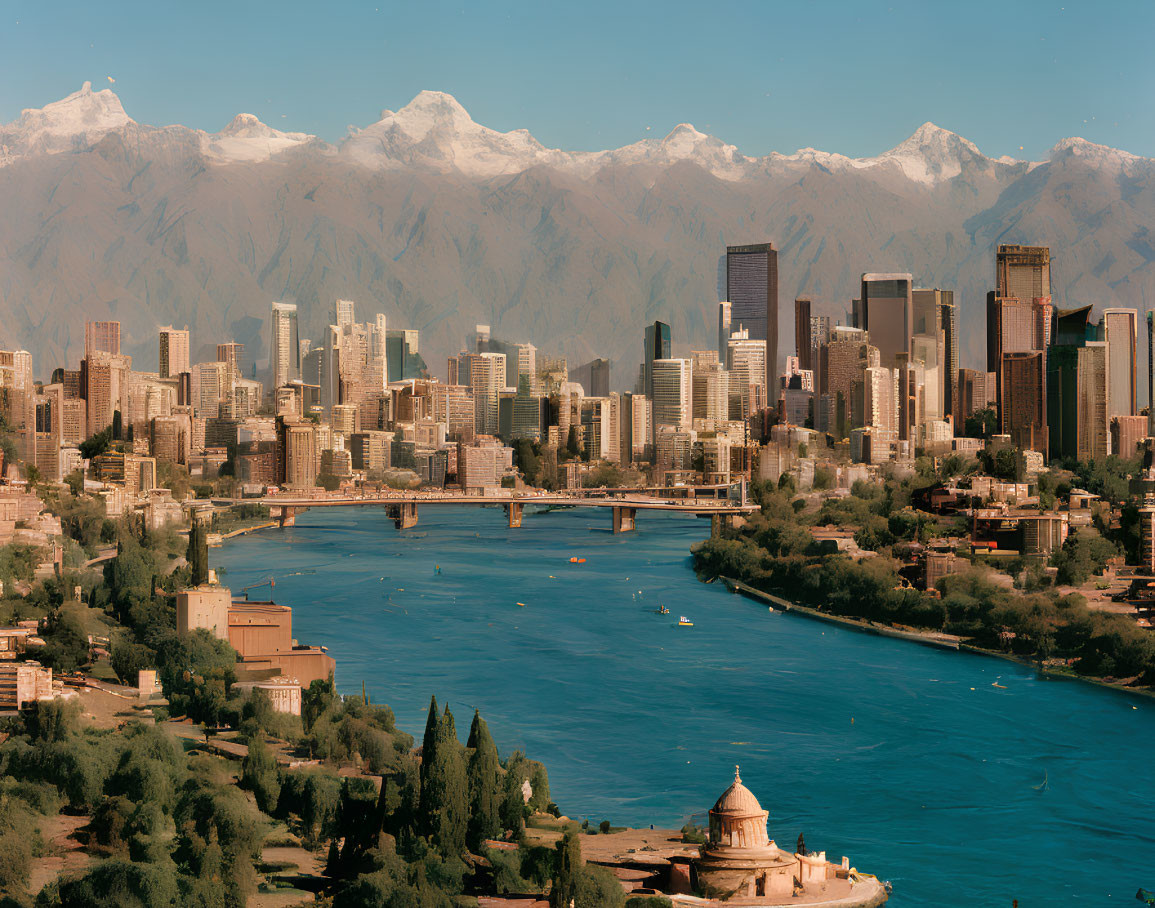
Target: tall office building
173 352
887 313
949 323
673 393
1023 272
284 345
1120 327
752 291
1023 391
102 337
594 377
1150 372
802 341
1077 381
345 315
658 346
724 320
746 363
976 391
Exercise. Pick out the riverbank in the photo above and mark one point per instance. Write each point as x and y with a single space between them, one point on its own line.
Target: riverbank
927 638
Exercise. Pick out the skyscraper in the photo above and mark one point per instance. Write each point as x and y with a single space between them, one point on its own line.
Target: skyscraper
345 315
752 290
802 342
487 378
724 318
173 352
102 337
657 347
949 364
886 308
673 390
1077 378
284 346
1150 372
1023 272
1120 327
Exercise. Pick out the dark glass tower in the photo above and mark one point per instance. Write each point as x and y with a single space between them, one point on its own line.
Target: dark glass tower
752 290
657 347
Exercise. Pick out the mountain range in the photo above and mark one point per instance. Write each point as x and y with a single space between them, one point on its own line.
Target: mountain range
442 224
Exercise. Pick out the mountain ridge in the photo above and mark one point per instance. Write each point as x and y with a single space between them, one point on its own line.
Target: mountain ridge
443 223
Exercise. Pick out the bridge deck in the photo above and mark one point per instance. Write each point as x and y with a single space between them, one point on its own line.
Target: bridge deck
704 506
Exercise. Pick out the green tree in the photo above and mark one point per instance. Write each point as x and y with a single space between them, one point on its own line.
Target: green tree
484 785
198 552
981 423
568 867
259 775
445 792
96 444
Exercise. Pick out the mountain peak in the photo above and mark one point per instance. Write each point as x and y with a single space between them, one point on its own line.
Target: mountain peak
246 138
932 154
1078 147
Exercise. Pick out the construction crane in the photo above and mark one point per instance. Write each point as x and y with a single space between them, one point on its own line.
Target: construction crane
268 581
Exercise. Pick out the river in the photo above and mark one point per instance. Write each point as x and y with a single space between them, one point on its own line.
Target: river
905 758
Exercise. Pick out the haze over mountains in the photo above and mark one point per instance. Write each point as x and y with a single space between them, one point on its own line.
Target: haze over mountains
442 224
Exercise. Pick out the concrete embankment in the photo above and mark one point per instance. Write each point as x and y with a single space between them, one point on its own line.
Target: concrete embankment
942 641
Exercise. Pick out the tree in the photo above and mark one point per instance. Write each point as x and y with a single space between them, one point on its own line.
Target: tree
445 793
981 423
198 552
96 444
259 775
316 700
484 787
568 866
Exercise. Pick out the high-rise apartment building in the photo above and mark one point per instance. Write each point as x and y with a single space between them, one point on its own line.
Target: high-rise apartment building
887 313
948 320
673 393
976 391
486 378
746 363
173 351
1120 329
284 345
752 291
102 337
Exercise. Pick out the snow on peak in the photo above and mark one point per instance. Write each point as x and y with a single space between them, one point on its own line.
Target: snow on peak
246 138
77 120
1099 155
434 130
932 154
683 143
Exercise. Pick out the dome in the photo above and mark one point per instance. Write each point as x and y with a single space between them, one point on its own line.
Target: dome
738 800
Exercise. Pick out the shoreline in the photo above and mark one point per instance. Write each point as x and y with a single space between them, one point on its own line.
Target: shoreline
928 638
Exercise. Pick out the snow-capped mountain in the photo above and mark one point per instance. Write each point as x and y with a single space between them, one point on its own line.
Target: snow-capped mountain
74 122
444 223
248 139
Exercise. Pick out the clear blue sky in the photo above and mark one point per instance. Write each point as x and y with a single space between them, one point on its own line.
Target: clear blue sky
853 77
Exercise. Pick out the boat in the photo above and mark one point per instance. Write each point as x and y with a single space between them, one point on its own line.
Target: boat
522 604
662 610
573 560
683 621
581 561
999 686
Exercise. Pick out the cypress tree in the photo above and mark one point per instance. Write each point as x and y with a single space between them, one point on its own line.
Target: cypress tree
428 755
446 790
484 791
569 865
198 553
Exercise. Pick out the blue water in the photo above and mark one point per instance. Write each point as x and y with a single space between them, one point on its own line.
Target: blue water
902 757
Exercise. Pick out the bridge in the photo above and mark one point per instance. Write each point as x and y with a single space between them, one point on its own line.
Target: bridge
402 507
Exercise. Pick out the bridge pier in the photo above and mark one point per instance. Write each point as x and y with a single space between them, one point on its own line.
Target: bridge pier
513 511
625 519
286 517
404 515
722 523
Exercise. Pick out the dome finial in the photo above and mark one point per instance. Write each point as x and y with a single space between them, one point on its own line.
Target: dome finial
737 778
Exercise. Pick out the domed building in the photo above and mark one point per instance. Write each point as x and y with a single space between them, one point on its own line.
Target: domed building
740 858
